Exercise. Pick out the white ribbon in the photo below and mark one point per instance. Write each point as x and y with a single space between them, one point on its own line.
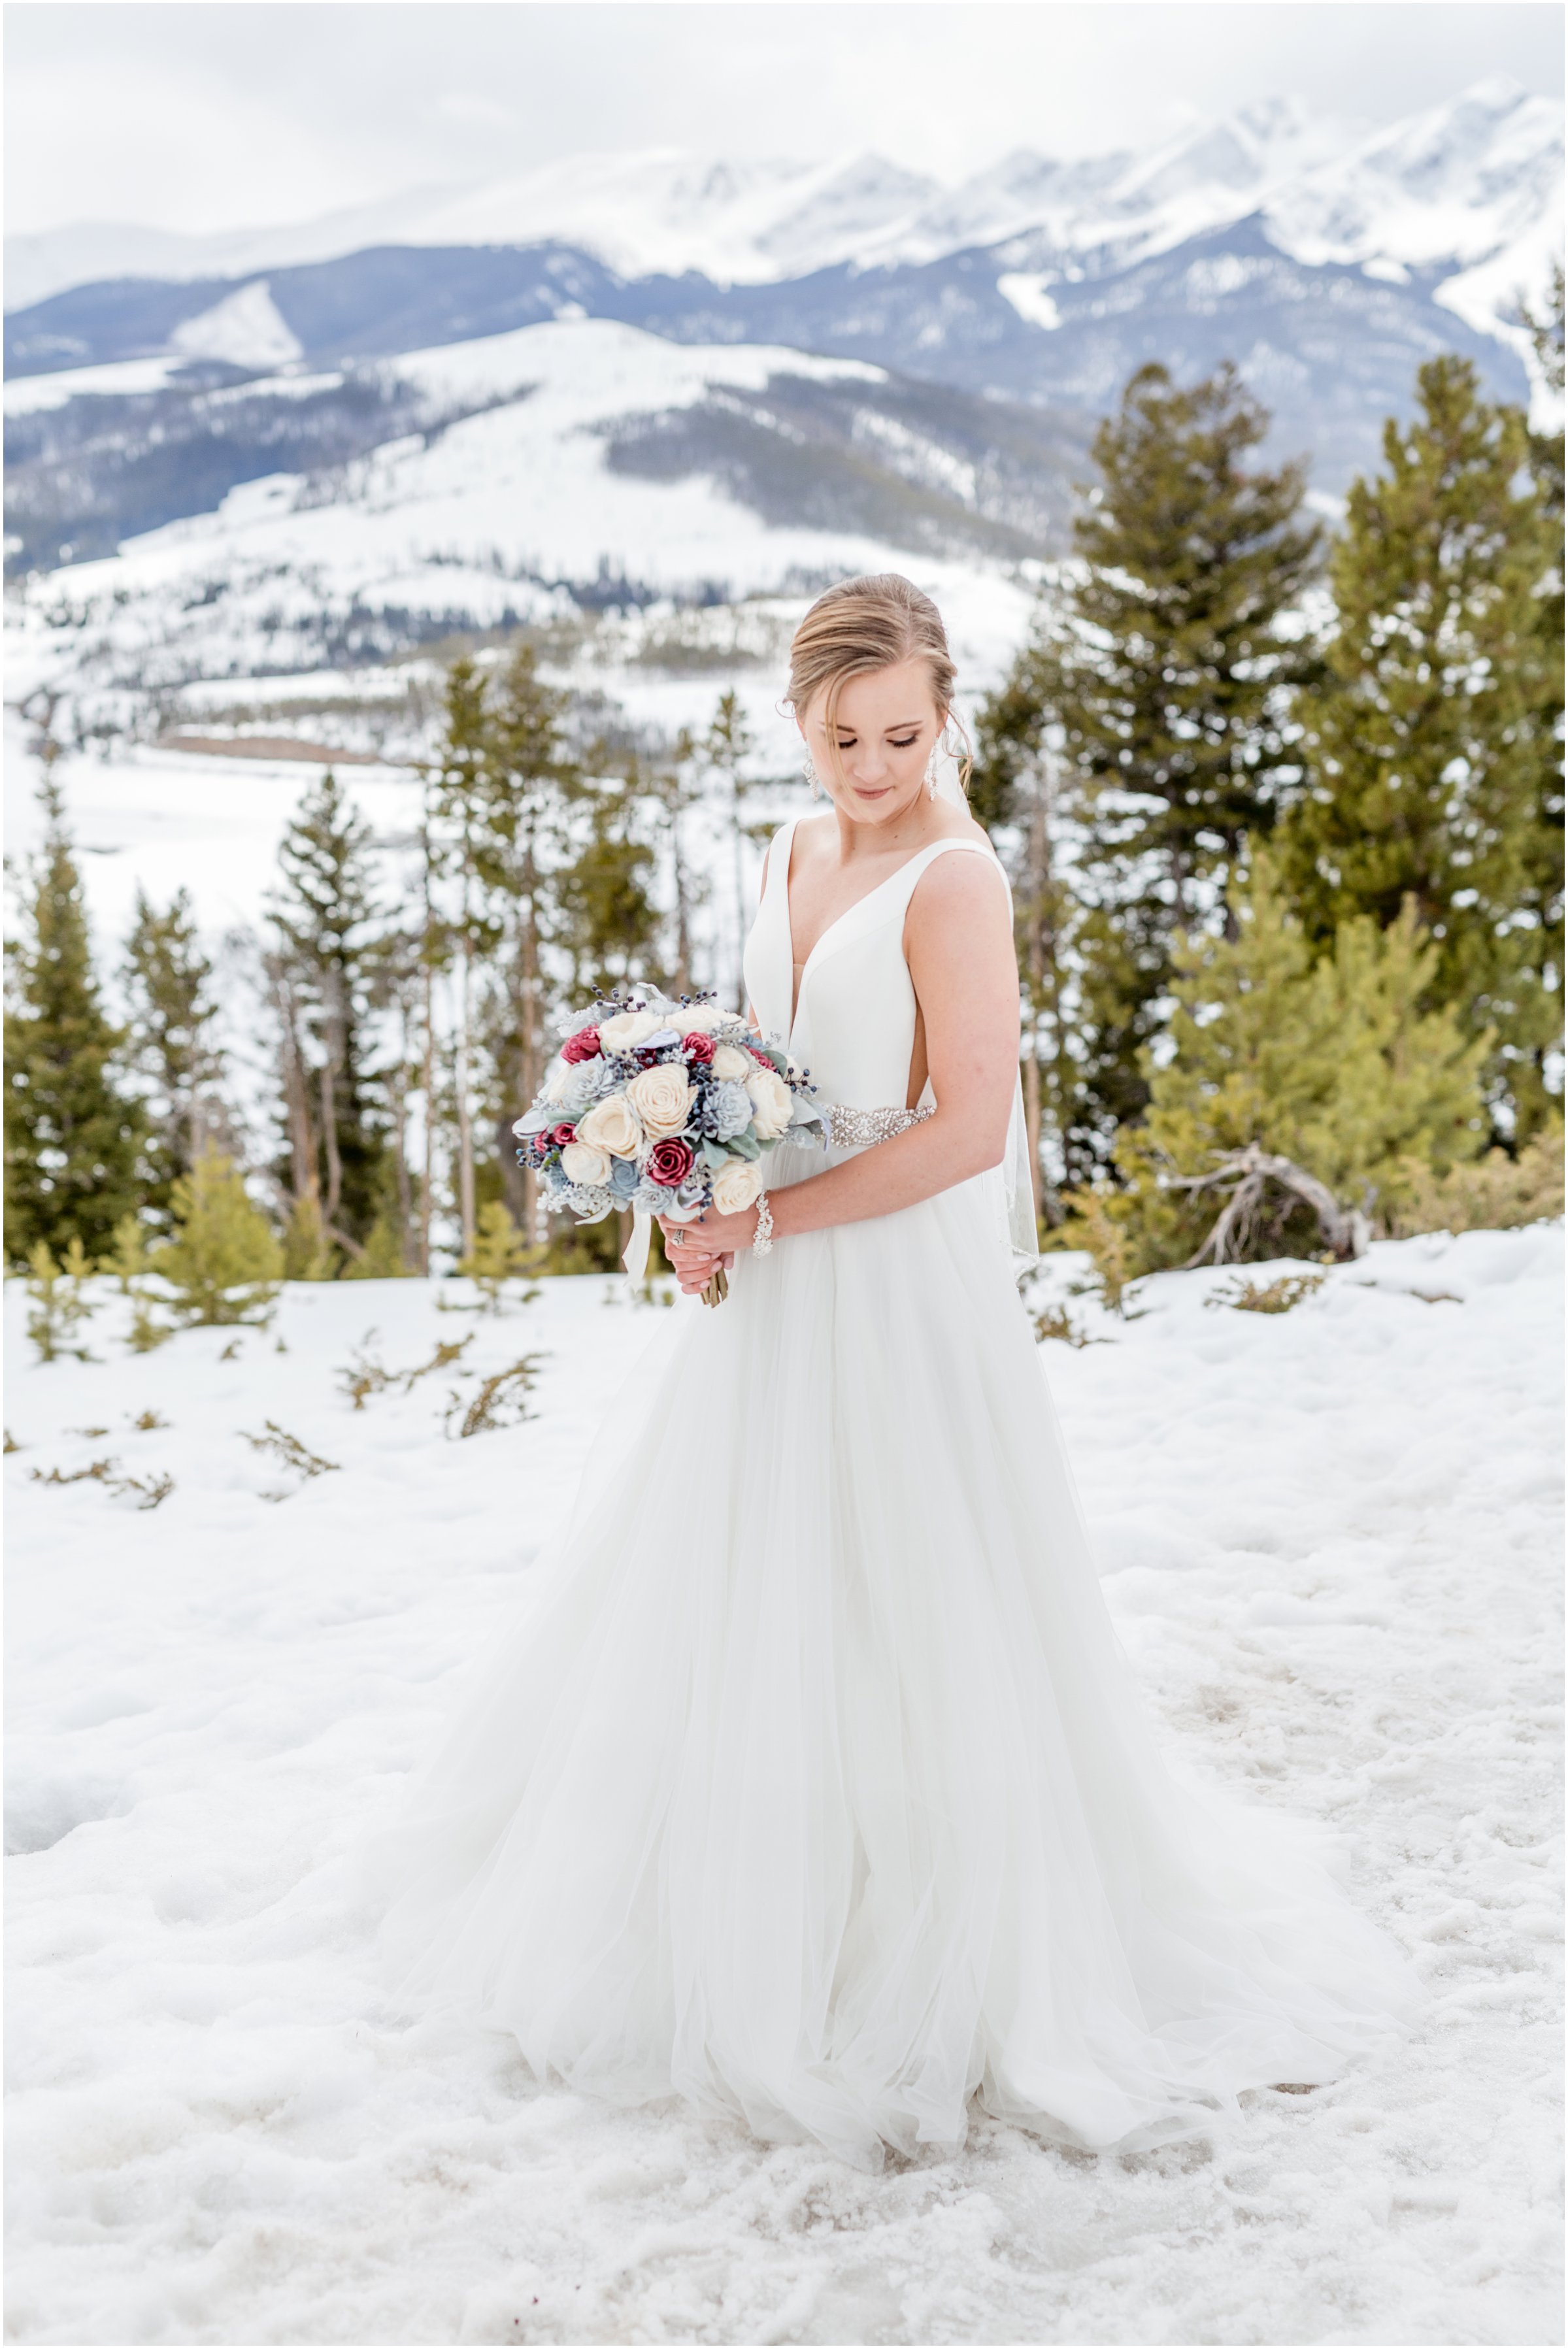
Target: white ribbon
636 1247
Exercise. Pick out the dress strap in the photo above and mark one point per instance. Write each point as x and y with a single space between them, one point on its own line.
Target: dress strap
779 848
919 864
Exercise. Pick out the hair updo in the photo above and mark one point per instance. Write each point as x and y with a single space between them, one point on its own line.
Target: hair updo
862 625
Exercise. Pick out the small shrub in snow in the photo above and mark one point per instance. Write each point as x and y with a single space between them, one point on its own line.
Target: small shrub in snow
146 1332
382 1258
365 1375
150 1490
499 1254
1056 1322
60 1303
1279 1295
128 1258
501 1401
224 1264
290 1452
307 1253
1494 1193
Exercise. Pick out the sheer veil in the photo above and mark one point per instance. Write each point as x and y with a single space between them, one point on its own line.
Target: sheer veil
1011 1184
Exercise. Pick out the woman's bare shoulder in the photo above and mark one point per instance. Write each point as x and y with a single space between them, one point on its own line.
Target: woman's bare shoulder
960 890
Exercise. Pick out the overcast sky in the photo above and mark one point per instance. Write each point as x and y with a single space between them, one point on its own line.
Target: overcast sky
216 114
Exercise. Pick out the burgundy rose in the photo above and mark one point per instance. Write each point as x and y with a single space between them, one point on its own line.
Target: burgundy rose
561 1134
699 1049
669 1162
583 1046
757 1054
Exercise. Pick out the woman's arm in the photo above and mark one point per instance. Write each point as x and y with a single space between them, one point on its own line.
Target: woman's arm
959 941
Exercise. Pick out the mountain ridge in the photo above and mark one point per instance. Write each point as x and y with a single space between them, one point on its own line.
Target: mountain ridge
1454 183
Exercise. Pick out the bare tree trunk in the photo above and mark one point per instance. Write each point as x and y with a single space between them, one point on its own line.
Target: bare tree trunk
531 1071
401 1143
740 995
330 1134
295 1088
464 1112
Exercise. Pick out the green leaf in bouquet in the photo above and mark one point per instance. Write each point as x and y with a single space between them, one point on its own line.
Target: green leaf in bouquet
744 1145
714 1154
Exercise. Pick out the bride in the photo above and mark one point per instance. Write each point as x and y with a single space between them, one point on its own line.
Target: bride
814 1788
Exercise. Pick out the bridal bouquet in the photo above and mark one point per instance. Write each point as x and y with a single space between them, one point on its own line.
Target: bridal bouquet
662 1107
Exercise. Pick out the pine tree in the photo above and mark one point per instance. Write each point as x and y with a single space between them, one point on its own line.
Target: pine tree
499 1254
308 1252
383 1257
168 982
460 790
530 773
73 1135
1332 1063
59 1298
608 924
674 785
1161 675
224 1262
328 923
1432 742
725 751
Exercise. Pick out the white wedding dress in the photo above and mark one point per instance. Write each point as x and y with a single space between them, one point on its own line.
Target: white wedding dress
814 1787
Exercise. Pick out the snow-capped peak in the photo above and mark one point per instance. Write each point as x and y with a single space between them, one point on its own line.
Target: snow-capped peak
1457 184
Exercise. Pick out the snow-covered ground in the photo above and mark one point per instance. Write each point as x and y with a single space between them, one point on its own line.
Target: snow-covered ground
1330 1544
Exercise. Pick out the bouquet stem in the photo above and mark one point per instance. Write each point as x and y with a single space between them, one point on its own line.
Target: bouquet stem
718 1288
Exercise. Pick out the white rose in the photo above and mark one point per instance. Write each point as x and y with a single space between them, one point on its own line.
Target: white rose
583 1163
736 1185
626 1029
700 1018
770 1098
729 1061
613 1125
663 1099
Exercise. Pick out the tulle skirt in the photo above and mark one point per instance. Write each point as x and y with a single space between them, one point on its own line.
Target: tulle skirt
814 1786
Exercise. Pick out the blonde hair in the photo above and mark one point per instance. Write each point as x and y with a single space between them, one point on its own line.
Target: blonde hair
862 625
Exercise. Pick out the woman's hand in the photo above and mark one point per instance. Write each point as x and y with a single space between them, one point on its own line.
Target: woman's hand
695 1250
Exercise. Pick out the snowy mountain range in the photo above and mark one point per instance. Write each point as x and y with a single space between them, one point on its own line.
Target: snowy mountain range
1458 185
650 382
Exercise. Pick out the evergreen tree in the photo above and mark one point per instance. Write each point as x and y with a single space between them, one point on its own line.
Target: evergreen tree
530 773
674 785
328 924
59 1299
1432 742
608 924
1332 1063
168 983
73 1137
499 1254
725 751
461 788
1160 673
224 1262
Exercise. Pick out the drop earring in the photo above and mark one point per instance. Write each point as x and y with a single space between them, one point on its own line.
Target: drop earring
809 774
931 773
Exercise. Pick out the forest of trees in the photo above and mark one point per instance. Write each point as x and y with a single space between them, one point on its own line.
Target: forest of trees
1281 808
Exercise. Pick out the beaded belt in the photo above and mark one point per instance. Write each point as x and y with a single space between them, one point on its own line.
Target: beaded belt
858 1129
847 1129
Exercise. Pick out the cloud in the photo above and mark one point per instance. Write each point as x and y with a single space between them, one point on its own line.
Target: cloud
204 117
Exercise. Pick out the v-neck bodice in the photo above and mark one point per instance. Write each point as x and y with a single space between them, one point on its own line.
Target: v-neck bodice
853 1023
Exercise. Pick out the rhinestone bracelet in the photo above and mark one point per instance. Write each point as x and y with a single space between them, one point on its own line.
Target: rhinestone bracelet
763 1237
